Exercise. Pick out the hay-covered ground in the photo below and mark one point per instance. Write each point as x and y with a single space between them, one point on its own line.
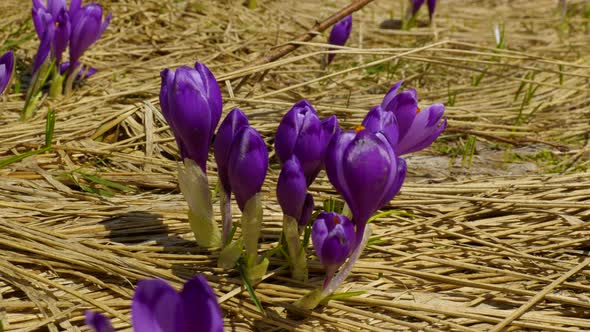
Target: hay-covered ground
491 226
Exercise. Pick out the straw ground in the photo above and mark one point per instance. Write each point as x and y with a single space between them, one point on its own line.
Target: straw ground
490 231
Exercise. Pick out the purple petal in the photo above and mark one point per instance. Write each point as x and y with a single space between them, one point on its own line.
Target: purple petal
87 27
334 164
423 130
404 106
155 307
228 129
390 94
62 35
340 34
289 128
416 4
201 310
292 188
248 163
44 49
212 91
397 184
7 64
98 322
431 8
307 211
333 238
378 121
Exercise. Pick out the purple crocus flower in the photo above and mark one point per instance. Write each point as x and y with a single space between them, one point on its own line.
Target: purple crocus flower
417 128
431 7
87 27
226 133
415 6
385 122
292 188
339 34
364 168
333 238
191 103
52 24
247 165
6 69
157 306
301 133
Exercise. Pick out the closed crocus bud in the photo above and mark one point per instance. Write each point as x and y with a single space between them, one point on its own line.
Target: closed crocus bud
417 128
191 103
301 134
333 239
6 70
247 165
431 7
340 33
87 26
292 188
157 306
363 167
228 129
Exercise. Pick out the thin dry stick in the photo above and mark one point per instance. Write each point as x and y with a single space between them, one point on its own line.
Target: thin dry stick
283 50
500 326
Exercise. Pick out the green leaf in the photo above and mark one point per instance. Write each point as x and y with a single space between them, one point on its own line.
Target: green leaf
19 157
339 296
104 182
49 128
249 287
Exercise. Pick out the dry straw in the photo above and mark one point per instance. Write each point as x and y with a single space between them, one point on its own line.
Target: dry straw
501 245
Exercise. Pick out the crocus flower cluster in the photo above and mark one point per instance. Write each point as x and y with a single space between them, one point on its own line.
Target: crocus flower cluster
6 70
192 105
301 142
59 27
340 34
365 167
157 306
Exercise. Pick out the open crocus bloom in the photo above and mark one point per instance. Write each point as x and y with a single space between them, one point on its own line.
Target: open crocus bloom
6 70
158 307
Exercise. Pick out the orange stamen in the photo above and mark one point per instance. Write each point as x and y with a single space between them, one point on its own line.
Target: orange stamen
336 220
418 110
359 128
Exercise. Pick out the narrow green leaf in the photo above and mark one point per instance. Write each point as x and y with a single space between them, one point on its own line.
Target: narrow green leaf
19 157
104 182
249 287
49 128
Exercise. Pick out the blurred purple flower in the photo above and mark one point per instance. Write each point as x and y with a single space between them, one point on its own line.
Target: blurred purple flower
292 188
417 128
339 34
157 306
226 134
415 6
191 103
431 8
87 26
301 133
333 239
364 168
247 165
6 70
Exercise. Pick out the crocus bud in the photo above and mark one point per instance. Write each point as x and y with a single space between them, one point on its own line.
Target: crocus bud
6 69
247 165
340 33
226 133
363 167
191 103
302 134
333 239
417 128
87 26
415 6
292 188
157 306
431 7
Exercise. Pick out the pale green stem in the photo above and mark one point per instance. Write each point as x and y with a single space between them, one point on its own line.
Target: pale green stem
296 253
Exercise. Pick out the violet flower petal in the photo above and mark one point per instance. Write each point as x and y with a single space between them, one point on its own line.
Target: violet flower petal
98 322
292 188
6 70
248 164
340 34
226 133
201 309
155 307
